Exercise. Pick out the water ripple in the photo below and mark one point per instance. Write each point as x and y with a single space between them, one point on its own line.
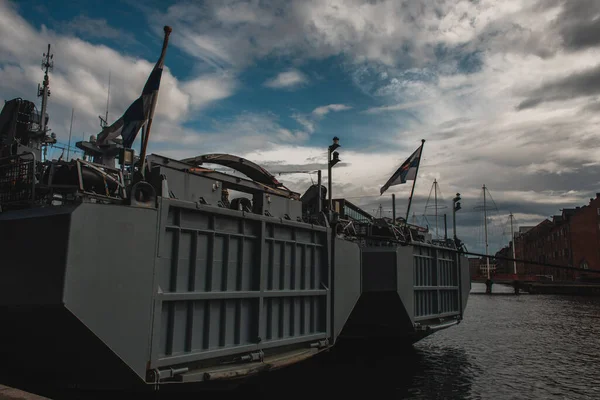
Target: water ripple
521 347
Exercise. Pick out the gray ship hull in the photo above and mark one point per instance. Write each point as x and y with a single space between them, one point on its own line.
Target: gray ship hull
202 288
185 291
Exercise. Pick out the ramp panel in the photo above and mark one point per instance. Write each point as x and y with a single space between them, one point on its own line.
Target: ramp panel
229 282
436 282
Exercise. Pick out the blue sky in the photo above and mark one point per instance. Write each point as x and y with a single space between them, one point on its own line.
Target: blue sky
503 92
123 26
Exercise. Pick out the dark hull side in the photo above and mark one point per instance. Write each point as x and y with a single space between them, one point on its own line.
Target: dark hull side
117 297
408 293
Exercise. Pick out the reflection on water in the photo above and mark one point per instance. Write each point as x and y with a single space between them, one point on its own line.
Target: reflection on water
406 372
508 347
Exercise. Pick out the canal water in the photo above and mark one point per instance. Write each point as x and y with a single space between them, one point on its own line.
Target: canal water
507 347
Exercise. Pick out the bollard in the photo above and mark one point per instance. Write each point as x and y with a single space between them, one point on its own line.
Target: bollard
488 286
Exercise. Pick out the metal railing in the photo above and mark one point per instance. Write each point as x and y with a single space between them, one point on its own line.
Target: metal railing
17 180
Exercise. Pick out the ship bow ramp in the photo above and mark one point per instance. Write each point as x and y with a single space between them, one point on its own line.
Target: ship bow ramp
408 292
76 286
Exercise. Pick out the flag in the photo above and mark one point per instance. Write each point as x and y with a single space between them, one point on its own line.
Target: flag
407 171
139 111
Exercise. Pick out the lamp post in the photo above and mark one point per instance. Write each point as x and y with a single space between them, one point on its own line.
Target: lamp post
456 207
330 163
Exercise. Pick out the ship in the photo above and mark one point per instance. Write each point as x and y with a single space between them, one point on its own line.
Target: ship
137 271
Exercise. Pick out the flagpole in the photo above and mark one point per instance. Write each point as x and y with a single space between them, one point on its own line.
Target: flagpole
168 31
415 180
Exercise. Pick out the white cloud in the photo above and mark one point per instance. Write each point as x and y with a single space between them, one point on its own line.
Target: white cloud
287 79
207 89
452 72
323 110
309 121
80 77
304 120
462 99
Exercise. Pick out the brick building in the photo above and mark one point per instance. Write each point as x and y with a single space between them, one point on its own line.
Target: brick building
478 266
474 265
504 266
570 239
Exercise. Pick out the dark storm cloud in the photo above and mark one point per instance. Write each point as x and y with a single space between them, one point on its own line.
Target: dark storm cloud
579 25
581 84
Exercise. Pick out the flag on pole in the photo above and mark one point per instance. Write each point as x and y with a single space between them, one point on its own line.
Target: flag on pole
138 112
406 172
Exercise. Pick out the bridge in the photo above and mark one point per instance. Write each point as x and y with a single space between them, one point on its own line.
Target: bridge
519 282
540 283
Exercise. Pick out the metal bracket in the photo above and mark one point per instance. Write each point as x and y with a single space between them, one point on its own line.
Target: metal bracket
156 375
252 357
320 344
200 202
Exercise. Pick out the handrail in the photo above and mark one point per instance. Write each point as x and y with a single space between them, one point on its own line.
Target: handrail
6 163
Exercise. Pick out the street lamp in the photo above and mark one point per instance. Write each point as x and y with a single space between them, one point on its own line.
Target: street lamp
456 207
330 163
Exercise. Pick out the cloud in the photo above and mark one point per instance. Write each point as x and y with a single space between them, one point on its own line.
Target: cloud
504 93
323 110
578 84
389 32
96 28
80 79
207 89
306 121
453 73
239 134
310 120
578 24
288 79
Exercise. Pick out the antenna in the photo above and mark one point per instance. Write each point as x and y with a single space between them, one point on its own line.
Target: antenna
512 238
485 222
104 121
435 189
44 90
70 131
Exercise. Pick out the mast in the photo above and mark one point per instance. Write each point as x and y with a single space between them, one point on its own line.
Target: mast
412 191
70 131
148 125
436 207
487 258
44 90
104 121
512 235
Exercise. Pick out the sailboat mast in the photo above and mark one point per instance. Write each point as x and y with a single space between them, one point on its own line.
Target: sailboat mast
436 207
512 235
487 258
